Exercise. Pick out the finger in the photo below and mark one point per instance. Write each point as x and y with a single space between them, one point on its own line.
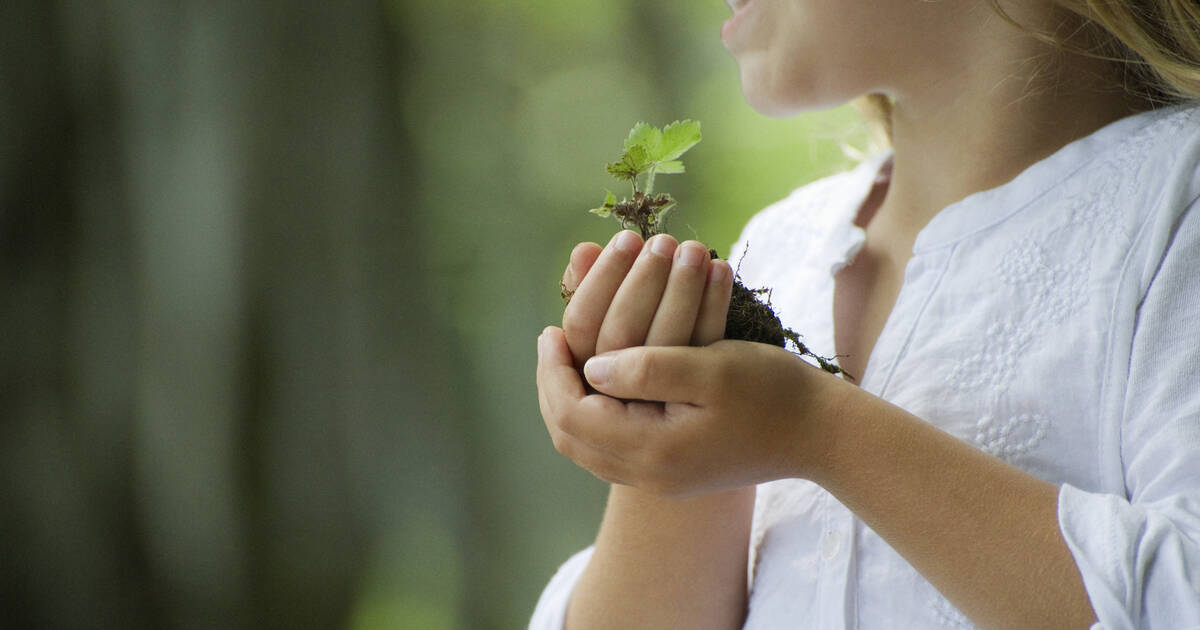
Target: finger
585 313
714 305
582 258
675 318
564 402
558 382
583 427
632 310
672 374
603 462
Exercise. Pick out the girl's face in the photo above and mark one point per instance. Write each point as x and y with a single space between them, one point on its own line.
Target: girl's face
797 55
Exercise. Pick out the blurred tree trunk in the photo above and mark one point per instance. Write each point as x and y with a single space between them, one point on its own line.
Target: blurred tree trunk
211 406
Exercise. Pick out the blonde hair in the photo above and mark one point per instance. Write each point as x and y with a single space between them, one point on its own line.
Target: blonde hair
1155 44
876 112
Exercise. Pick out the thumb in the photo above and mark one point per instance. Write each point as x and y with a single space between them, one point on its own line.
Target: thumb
677 374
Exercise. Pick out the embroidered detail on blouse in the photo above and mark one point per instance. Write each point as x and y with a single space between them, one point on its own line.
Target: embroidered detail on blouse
993 365
1052 288
1011 438
1048 285
1092 211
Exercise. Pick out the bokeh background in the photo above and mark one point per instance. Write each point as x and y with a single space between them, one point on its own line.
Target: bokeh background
272 274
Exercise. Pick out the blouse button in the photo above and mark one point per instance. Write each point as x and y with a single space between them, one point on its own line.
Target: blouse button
831 545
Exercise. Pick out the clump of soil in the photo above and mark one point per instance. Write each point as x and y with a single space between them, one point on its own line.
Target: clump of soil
751 319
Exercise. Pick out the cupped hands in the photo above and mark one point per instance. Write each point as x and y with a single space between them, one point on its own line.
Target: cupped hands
655 413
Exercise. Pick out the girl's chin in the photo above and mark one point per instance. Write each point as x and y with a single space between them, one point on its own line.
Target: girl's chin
781 91
785 104
762 94
767 105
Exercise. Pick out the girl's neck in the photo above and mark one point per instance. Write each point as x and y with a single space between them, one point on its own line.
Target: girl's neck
980 127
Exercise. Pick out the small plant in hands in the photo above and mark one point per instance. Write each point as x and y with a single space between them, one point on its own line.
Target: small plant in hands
650 151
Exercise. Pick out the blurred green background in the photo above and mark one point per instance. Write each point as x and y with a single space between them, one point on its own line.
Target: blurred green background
272 275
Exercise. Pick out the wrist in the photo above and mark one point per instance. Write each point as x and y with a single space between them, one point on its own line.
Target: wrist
830 415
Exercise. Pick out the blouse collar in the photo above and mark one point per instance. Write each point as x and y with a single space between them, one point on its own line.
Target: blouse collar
983 210
847 238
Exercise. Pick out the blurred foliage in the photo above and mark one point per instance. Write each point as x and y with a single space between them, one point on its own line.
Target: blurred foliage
273 274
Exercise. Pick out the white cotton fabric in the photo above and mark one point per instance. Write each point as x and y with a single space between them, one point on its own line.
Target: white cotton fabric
1053 322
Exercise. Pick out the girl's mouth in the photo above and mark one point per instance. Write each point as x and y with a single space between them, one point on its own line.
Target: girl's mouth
739 9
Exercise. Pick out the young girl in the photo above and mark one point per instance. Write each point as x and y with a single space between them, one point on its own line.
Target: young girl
1014 288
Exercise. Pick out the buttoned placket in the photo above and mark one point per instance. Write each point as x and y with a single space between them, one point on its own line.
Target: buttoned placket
836 560
921 278
837 547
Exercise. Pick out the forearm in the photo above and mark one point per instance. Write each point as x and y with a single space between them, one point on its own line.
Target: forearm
984 533
667 563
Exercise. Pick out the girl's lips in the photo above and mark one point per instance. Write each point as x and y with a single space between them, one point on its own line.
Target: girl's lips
739 9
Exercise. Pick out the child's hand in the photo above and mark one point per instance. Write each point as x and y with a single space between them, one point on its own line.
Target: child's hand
657 293
733 414
630 293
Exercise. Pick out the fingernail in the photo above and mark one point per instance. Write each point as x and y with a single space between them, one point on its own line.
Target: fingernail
692 254
627 241
662 245
720 272
597 369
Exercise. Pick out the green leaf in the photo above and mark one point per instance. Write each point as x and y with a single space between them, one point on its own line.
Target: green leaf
677 138
657 217
638 158
649 137
634 162
610 201
672 167
622 169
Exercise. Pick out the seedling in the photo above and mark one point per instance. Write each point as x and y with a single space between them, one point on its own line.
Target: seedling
650 151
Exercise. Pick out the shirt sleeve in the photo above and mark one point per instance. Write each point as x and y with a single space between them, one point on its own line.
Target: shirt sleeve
1139 554
551 610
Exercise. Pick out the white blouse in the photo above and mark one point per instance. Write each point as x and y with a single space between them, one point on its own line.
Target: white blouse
1052 322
